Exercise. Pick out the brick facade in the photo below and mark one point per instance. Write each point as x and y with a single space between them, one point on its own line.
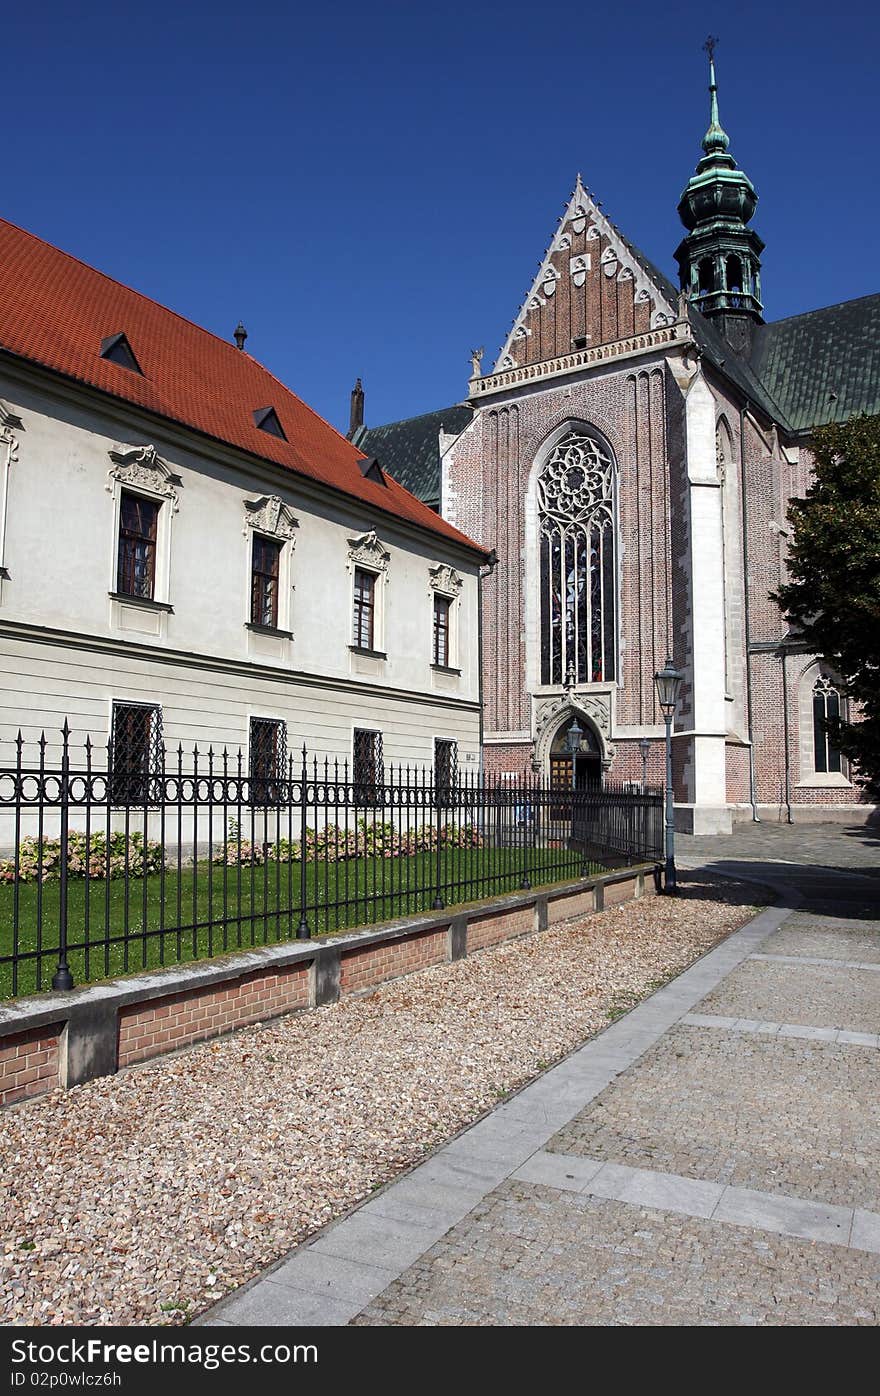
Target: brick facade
678 472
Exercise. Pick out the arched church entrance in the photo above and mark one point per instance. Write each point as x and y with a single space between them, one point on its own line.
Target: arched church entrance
587 759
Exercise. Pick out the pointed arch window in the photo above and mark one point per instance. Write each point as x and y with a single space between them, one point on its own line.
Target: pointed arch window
826 709
575 495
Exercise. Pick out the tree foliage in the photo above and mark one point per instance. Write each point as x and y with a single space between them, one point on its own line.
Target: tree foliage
832 597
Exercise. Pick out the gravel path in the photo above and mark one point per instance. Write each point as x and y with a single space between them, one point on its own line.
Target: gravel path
143 1197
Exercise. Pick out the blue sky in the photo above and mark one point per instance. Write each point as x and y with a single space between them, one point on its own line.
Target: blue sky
370 187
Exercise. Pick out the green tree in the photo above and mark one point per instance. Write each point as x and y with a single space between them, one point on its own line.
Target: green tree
832 597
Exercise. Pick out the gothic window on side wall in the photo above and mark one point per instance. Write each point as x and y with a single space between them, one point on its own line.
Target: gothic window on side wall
575 493
826 709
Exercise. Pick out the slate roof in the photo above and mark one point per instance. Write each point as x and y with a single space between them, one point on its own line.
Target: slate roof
56 311
823 366
410 449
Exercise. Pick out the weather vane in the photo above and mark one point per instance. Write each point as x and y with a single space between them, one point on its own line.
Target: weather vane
710 45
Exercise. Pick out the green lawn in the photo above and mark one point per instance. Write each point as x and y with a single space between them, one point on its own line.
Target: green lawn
207 910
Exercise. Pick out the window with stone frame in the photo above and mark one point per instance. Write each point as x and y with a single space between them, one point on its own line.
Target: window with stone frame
442 631
578 569
364 614
136 561
826 710
445 768
137 754
368 769
265 570
267 760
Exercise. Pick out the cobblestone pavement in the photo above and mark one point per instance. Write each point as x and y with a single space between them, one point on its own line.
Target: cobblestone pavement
712 1158
529 1255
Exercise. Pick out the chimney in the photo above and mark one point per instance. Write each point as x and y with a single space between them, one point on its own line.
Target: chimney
357 408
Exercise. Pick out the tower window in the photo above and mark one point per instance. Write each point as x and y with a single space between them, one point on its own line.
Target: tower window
706 275
735 280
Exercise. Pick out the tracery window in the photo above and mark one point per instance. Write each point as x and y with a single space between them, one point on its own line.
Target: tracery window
575 493
826 708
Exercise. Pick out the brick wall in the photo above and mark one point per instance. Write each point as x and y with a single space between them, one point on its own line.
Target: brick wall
162 1025
29 1063
120 1025
364 968
490 930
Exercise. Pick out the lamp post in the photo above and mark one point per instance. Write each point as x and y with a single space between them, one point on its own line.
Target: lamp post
668 683
644 748
573 738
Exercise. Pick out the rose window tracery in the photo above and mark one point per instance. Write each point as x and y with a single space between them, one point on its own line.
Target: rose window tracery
575 495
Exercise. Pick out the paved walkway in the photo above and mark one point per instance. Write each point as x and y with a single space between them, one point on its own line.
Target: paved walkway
711 1158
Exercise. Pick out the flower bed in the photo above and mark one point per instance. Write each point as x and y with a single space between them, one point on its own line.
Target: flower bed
99 857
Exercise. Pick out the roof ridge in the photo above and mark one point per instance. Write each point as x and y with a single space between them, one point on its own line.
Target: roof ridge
132 290
817 310
419 416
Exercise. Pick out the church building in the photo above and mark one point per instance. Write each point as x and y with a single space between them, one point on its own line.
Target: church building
630 457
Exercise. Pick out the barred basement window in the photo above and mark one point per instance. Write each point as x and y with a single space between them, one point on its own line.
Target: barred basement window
575 492
367 768
267 760
136 568
442 614
137 754
826 709
445 765
265 562
363 629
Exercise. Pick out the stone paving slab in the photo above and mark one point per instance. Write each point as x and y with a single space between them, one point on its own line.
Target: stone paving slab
534 1255
819 936
842 1035
812 995
771 1113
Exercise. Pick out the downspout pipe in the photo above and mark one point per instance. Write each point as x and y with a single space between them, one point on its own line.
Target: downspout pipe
745 556
481 575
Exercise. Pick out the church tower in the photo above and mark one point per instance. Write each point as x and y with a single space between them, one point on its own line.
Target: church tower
719 259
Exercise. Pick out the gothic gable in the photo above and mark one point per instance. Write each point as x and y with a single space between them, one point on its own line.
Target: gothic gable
590 289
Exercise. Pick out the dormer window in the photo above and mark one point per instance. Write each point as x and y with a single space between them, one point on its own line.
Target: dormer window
266 418
117 350
371 469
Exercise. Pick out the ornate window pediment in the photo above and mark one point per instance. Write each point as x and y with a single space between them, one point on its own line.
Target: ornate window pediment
365 550
141 467
445 579
270 515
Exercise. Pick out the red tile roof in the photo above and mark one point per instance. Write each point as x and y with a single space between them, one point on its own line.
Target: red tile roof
55 311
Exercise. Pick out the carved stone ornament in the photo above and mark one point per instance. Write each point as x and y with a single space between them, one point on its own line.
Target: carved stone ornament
445 579
270 515
143 468
9 424
553 713
366 551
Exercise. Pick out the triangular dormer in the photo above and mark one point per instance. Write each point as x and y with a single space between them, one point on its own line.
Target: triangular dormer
266 418
117 350
371 469
592 287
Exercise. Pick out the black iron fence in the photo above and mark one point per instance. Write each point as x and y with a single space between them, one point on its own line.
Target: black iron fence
127 858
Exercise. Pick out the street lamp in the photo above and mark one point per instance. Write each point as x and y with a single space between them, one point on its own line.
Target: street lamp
644 748
573 738
668 682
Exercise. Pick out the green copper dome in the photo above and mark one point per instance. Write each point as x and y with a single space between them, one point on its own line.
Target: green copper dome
718 189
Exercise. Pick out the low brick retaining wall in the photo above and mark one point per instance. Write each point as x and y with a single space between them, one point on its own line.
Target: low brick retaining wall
64 1039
